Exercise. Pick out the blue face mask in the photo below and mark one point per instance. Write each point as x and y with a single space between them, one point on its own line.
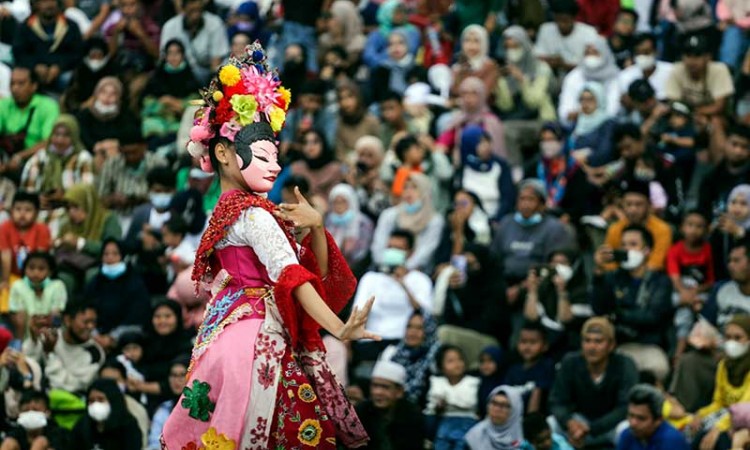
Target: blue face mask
341 220
160 200
413 208
535 219
115 270
36 286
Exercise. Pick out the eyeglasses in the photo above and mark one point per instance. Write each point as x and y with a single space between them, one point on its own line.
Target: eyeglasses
177 375
501 405
311 141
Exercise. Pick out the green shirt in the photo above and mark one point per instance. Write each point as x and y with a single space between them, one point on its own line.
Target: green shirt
24 299
475 12
13 118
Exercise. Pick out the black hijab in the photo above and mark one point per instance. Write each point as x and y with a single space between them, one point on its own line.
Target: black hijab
179 84
189 206
161 350
326 155
119 417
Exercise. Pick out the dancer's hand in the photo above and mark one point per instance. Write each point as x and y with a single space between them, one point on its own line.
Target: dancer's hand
354 328
301 214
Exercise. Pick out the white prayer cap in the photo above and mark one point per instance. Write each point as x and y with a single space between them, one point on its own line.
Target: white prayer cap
391 371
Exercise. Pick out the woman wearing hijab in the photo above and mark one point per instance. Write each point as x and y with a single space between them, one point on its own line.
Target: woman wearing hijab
344 29
416 214
474 60
166 95
106 120
391 75
491 373
599 66
593 127
391 14
502 429
350 228
731 227
353 120
318 164
467 223
474 111
713 423
107 424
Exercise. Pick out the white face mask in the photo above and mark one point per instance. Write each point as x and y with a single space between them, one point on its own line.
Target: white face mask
635 259
95 64
103 109
564 271
645 62
99 411
32 420
593 62
550 149
514 55
734 349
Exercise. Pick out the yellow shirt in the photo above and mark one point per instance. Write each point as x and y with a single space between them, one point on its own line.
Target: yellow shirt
661 233
726 395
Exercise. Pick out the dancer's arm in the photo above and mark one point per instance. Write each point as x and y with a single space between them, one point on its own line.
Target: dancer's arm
353 329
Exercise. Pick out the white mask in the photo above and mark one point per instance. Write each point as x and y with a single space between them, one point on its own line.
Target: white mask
514 55
734 349
592 62
564 271
99 411
95 64
645 62
635 259
32 420
103 109
550 149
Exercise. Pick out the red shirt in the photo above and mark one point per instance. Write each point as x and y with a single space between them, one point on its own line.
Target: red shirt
600 14
36 238
698 265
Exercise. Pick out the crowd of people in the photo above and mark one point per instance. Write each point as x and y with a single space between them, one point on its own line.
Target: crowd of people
549 199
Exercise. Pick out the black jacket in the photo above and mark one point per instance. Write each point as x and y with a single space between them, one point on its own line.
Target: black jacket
29 49
405 431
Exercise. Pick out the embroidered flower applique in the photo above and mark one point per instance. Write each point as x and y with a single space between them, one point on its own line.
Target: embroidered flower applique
196 400
215 441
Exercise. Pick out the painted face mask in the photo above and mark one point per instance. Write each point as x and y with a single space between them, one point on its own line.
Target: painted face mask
257 156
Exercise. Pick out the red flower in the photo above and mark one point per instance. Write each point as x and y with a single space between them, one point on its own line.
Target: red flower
229 91
266 375
224 112
191 446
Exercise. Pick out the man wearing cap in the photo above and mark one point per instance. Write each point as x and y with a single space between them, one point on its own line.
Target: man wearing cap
699 82
636 299
527 237
589 398
637 209
391 421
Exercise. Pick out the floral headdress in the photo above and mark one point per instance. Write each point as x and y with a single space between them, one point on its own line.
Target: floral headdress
244 91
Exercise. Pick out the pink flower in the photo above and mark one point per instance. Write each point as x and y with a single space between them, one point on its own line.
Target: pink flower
261 86
266 375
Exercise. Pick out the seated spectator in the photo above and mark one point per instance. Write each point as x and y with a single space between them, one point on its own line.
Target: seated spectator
166 96
598 66
698 82
732 170
637 211
49 44
177 380
646 427
105 121
591 137
486 175
188 205
108 424
318 164
695 372
621 39
713 422
351 229
37 294
502 427
62 164
491 374
535 373
26 120
393 118
589 398
645 67
119 295
392 73
96 64
204 36
19 236
36 429
114 370
538 435
474 60
133 38
392 14
561 43
468 224
402 289
353 121
733 297
70 356
307 114
734 24
179 254
416 154
18 373
416 215
245 19
637 299
527 237
690 267
678 140
452 400
365 176
730 227
391 420
343 28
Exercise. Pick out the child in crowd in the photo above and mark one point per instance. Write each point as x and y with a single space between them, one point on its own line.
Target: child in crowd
19 236
36 429
131 354
491 373
538 435
180 252
678 140
690 266
451 400
37 294
536 371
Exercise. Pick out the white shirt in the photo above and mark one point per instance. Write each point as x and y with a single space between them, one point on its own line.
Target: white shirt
550 42
571 90
657 80
391 311
210 42
460 399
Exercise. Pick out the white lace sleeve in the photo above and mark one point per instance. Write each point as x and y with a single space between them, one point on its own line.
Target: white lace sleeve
257 228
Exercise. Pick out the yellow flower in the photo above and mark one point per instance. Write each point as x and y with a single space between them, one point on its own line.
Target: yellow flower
214 441
310 432
290 393
245 106
286 96
277 117
306 393
218 95
229 75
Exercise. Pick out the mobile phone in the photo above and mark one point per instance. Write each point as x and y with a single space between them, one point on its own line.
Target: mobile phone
619 255
460 263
